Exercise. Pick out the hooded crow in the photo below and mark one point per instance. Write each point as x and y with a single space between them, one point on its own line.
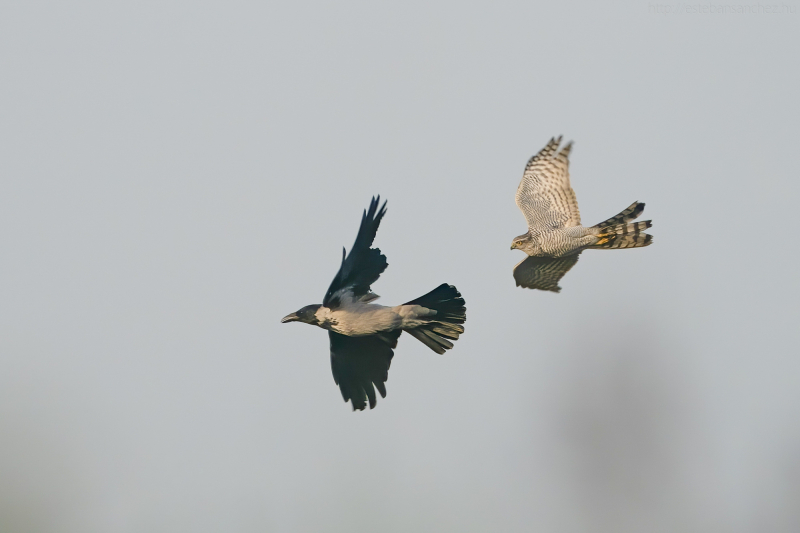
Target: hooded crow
363 334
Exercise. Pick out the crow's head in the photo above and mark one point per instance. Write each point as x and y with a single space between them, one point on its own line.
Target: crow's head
307 314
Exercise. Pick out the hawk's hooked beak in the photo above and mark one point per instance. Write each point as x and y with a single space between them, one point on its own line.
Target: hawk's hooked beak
291 317
513 245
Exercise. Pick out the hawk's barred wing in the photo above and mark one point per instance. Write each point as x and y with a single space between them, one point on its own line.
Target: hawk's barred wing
544 195
358 363
543 273
363 265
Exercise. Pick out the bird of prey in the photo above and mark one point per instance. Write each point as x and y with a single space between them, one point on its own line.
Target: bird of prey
362 333
555 236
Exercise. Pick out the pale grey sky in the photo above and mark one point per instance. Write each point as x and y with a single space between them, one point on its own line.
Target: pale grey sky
175 179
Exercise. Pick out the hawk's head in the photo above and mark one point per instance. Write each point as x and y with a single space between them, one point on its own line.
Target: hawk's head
527 244
521 242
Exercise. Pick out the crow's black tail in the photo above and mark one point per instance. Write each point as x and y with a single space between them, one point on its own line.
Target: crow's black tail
446 323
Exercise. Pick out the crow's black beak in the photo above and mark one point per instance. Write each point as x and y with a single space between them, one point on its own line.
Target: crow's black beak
291 317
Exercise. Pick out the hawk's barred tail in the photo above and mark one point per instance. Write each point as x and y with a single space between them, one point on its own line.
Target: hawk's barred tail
631 212
446 324
624 235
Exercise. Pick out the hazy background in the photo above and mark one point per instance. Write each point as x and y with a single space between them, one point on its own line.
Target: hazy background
175 179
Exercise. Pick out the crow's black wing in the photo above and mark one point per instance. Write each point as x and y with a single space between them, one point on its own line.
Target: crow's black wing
543 273
363 265
358 363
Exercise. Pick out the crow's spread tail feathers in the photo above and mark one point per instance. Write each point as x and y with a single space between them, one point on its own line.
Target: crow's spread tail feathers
446 323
